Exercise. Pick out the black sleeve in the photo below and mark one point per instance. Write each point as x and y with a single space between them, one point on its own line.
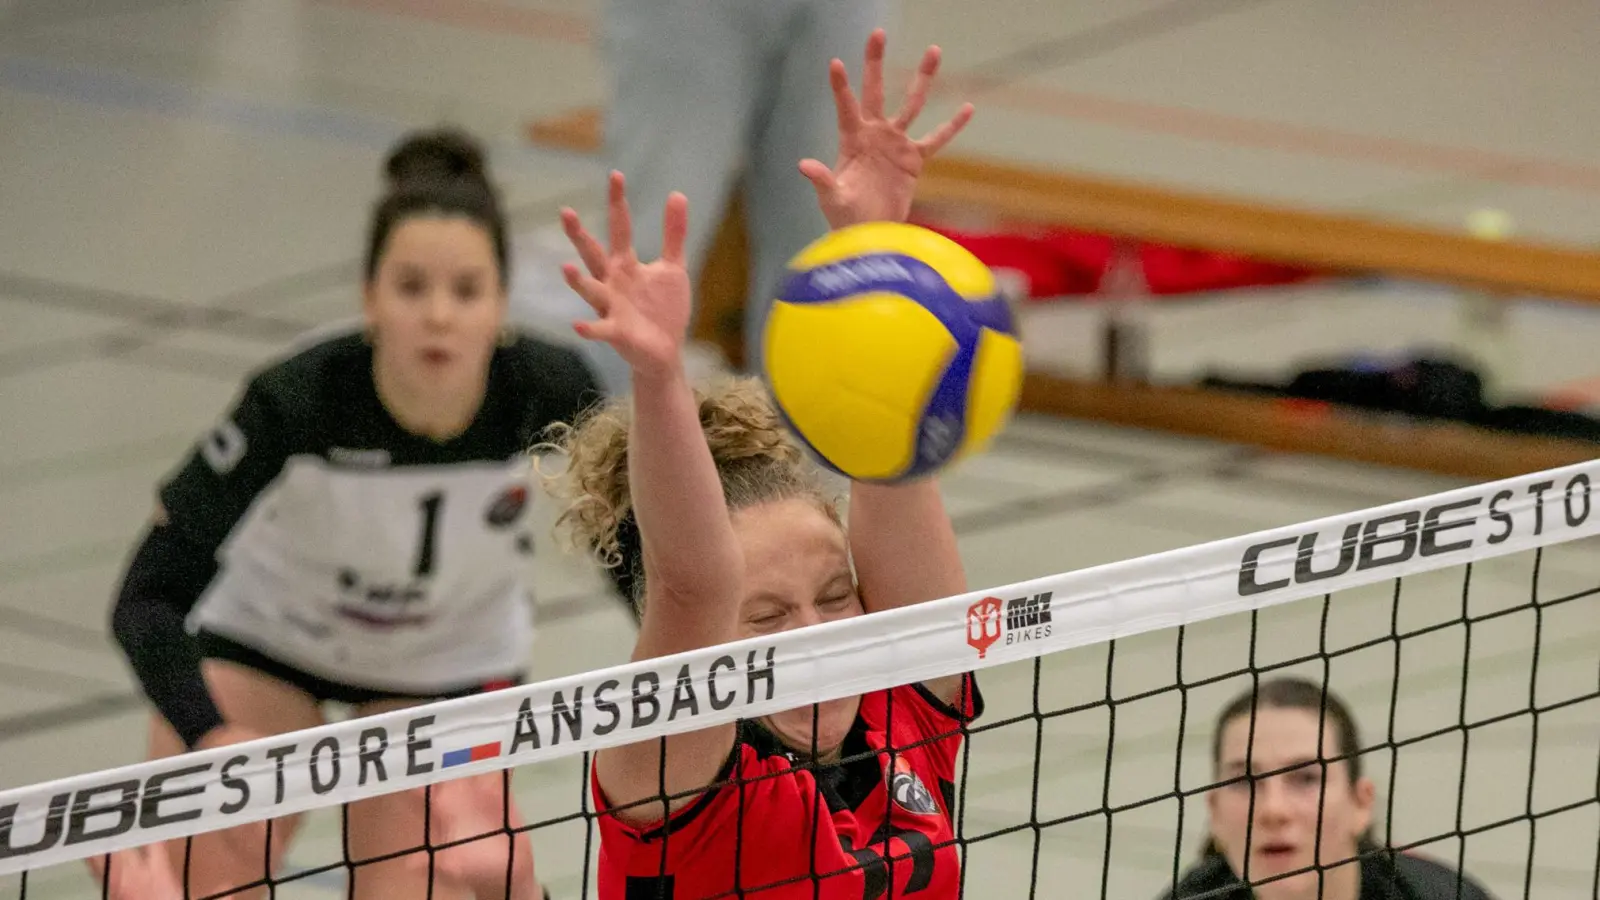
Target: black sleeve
165 577
229 467
201 503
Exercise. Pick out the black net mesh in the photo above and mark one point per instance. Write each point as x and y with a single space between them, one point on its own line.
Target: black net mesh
1473 694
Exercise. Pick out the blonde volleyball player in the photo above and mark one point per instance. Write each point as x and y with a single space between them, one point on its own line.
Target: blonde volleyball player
355 529
738 538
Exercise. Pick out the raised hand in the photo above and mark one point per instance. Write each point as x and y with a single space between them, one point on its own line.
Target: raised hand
643 307
875 176
138 873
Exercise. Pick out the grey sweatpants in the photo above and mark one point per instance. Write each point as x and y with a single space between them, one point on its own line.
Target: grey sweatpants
707 91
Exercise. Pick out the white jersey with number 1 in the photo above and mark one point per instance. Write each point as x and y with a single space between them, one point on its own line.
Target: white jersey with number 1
358 552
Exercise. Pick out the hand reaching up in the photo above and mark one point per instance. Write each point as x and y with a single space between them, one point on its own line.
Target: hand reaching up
875 176
643 307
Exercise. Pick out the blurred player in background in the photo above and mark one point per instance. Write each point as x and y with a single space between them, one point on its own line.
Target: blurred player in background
355 530
1294 727
708 92
738 538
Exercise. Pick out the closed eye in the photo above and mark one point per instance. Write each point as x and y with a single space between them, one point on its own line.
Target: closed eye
766 620
837 602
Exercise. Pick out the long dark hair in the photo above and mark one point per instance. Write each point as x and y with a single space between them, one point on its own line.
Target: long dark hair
1291 692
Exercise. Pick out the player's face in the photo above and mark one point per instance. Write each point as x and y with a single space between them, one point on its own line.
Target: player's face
435 304
797 573
1283 826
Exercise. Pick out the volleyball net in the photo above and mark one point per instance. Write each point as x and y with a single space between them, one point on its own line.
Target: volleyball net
1461 629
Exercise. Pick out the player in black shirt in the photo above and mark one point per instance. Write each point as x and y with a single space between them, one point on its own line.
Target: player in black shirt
1273 841
354 530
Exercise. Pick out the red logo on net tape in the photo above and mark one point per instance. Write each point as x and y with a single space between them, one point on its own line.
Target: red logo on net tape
983 624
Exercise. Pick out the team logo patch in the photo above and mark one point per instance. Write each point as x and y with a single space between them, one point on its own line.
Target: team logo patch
908 791
508 506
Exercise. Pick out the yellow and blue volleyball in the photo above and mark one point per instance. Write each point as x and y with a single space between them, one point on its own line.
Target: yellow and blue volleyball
891 352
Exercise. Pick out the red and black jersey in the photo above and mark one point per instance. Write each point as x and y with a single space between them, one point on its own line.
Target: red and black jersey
879 819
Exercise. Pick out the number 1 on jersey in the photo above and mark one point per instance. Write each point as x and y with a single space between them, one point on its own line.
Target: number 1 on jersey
430 504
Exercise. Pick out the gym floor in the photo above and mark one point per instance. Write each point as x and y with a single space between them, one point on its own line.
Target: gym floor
185 185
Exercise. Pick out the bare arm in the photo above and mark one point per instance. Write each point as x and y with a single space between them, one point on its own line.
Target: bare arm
693 567
900 536
905 553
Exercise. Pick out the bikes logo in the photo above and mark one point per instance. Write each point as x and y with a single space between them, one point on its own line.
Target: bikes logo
983 624
1028 618
1017 620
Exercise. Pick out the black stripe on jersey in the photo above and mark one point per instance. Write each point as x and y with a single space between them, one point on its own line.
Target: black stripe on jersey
947 790
872 866
922 862
920 845
649 887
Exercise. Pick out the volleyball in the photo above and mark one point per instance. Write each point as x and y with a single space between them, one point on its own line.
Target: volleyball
891 352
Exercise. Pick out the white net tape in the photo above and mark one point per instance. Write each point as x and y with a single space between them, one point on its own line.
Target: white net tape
96 813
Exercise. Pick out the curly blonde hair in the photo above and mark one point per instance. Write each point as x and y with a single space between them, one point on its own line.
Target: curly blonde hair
757 459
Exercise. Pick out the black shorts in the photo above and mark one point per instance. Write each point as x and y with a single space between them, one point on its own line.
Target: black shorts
215 646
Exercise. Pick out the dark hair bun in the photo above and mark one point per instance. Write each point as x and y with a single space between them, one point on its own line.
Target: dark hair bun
439 154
